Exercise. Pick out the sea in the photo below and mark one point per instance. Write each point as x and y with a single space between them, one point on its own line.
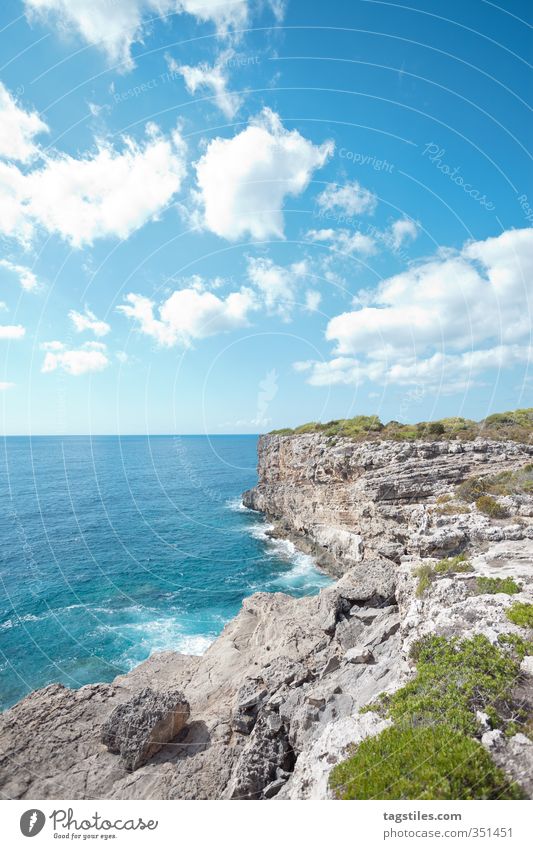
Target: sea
112 548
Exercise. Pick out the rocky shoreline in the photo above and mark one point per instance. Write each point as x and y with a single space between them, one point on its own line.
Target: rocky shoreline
275 702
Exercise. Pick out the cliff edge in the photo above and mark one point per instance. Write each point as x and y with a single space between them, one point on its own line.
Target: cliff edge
432 544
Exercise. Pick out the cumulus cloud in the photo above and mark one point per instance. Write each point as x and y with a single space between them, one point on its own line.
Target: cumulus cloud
18 129
108 192
12 331
344 241
350 199
26 276
243 181
276 284
88 321
213 78
113 26
91 357
401 231
441 322
188 314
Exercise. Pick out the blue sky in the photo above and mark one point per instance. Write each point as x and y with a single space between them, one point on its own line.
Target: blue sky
226 217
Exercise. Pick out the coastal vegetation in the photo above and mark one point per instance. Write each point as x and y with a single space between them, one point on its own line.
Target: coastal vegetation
521 614
427 572
514 425
492 586
432 750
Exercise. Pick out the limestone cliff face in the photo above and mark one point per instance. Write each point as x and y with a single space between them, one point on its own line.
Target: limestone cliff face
274 702
346 501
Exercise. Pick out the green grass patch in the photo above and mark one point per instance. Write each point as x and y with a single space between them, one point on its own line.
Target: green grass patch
421 763
491 586
521 613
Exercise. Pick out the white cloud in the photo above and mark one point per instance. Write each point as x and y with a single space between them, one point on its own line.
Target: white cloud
88 321
106 193
312 300
18 129
351 199
114 26
213 78
243 181
91 357
442 322
276 284
5 385
27 278
344 241
12 331
402 231
188 315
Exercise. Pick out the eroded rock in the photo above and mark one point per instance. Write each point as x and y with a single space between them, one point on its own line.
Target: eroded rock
140 727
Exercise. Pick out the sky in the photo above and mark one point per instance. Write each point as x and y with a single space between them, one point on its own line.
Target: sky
228 216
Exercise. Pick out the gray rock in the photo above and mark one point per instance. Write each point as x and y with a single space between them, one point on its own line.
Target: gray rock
359 654
141 726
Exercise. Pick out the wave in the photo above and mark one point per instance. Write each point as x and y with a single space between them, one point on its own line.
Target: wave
237 506
303 576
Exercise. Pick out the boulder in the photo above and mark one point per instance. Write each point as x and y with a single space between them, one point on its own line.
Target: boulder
140 727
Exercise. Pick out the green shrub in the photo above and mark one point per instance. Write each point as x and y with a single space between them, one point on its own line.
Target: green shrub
421 763
471 489
426 572
503 483
488 505
459 563
521 613
454 679
515 425
429 752
517 645
491 586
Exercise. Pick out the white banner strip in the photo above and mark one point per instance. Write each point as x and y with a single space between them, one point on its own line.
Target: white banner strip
257 824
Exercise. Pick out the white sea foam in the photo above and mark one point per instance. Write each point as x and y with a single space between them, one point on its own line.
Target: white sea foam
236 505
303 574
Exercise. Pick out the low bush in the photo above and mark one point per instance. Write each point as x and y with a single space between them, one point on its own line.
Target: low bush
426 572
521 613
515 425
421 763
488 505
491 586
429 752
448 565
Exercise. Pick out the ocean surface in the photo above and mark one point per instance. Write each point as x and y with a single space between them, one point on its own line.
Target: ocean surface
114 547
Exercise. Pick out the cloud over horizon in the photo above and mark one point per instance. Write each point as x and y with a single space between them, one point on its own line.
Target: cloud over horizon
439 323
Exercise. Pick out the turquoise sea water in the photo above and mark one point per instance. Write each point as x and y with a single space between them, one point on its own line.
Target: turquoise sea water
114 547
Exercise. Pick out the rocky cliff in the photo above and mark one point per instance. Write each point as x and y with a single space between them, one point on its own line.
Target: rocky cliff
348 501
275 702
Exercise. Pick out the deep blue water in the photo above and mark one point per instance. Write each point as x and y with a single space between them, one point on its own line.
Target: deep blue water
114 547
